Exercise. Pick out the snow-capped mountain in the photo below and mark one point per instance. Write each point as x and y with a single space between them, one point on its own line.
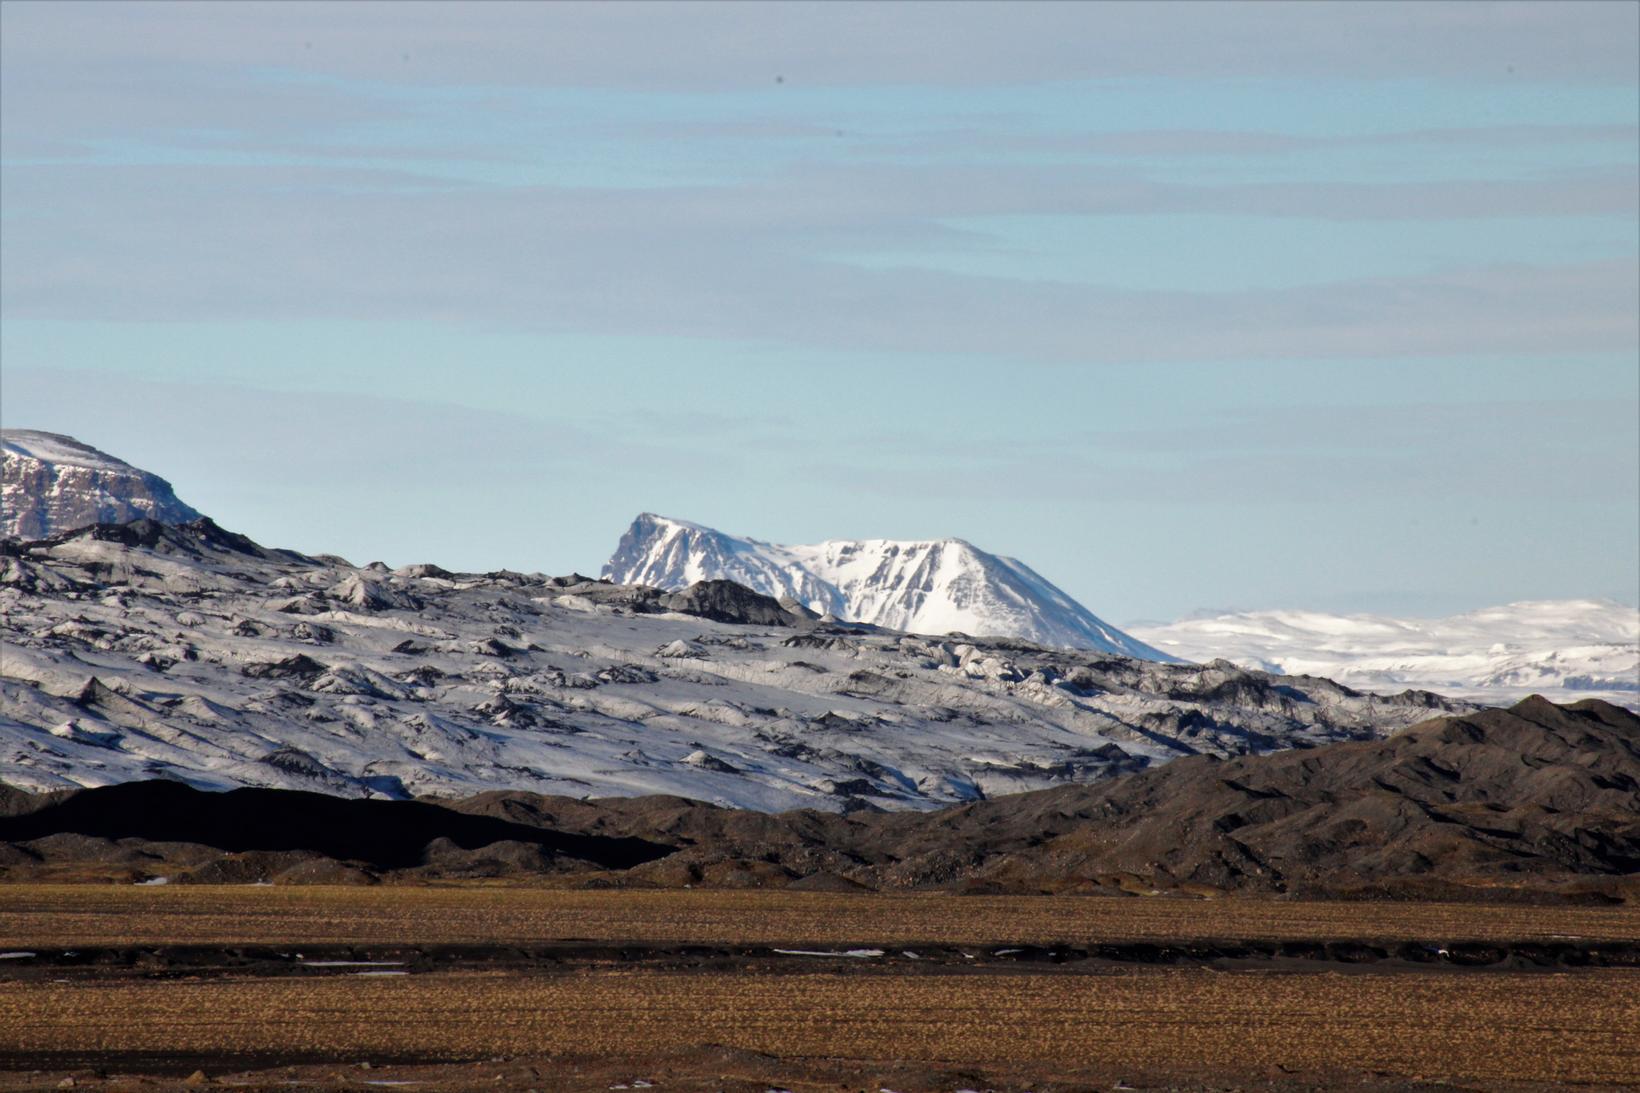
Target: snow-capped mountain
51 483
926 587
1563 649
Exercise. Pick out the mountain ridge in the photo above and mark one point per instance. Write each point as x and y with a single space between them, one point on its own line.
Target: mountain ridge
930 586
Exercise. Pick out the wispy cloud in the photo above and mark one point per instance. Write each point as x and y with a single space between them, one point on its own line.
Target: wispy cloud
715 45
741 263
901 225
1151 143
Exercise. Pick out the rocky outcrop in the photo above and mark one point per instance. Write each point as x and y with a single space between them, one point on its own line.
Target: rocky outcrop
51 484
726 601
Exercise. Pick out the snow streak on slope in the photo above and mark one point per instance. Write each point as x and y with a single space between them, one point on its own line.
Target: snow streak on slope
1562 649
929 587
51 483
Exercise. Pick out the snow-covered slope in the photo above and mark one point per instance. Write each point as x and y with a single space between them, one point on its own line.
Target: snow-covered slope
146 651
932 587
51 483
1562 649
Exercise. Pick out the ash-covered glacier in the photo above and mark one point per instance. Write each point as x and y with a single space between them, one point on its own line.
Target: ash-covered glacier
145 650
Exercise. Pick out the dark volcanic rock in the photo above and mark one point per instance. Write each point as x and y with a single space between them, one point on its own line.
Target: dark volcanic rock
199 538
1478 804
300 666
726 601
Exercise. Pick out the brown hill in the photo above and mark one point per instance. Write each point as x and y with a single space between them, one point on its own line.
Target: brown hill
1531 797
1534 800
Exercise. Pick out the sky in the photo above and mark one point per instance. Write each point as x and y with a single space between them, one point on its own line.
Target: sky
1189 306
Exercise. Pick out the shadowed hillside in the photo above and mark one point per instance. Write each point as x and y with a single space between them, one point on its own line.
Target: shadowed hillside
1538 798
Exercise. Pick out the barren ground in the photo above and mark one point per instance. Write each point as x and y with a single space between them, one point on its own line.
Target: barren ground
112 915
456 988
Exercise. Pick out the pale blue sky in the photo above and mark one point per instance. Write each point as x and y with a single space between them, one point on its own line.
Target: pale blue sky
1188 306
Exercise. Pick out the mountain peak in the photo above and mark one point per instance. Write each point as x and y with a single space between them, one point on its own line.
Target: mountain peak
667 521
57 448
929 586
51 483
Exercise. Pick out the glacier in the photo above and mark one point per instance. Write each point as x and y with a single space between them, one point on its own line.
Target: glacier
143 650
1565 650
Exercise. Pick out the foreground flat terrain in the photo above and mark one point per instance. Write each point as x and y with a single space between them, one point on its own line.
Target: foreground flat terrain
113 915
509 988
1488 1029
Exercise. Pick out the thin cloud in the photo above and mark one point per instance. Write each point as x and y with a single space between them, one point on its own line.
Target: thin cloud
732 45
747 263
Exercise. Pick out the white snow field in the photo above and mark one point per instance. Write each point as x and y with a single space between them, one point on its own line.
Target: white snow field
928 587
145 651
58 449
1565 650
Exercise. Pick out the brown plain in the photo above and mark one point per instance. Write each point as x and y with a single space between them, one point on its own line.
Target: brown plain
1491 1029
67 915
1195 1026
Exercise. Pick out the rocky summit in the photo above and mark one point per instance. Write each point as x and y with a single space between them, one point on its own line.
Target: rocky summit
50 484
940 586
